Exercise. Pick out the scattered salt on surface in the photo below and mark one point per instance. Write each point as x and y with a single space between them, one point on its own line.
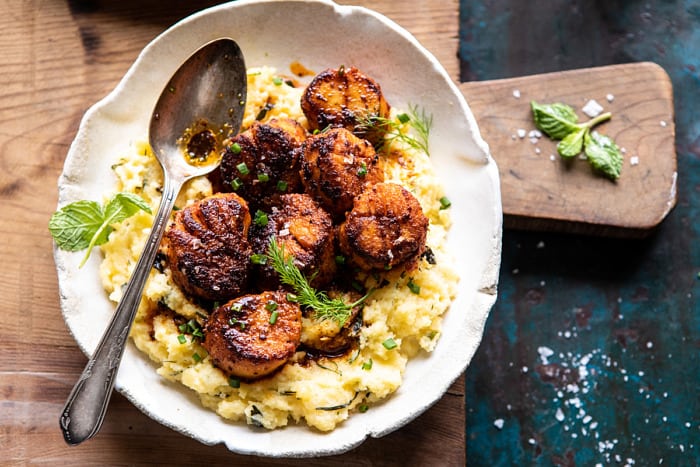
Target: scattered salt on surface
559 415
551 157
592 108
663 123
610 98
498 423
634 160
521 132
516 93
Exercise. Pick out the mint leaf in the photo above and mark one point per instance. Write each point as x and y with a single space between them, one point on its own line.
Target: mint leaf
84 224
572 144
603 154
555 120
73 226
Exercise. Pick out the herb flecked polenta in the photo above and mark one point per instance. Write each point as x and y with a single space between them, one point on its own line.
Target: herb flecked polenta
400 319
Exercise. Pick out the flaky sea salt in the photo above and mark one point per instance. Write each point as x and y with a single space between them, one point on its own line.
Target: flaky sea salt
610 97
592 108
559 415
516 93
634 160
498 423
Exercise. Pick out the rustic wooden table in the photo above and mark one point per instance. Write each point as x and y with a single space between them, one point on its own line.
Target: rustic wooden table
58 58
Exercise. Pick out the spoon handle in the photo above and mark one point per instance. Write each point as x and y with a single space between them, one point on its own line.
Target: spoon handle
86 406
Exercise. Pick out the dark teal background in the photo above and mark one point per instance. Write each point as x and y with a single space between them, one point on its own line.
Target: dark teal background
621 318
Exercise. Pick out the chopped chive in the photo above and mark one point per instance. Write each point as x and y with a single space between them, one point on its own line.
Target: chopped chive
182 328
243 169
257 258
445 202
236 307
235 148
273 316
282 185
271 305
362 171
232 321
181 339
234 382
260 218
277 81
363 408
367 365
292 298
340 259
236 183
263 177
403 118
389 344
196 357
413 287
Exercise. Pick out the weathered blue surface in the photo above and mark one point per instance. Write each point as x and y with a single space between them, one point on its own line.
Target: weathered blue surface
592 352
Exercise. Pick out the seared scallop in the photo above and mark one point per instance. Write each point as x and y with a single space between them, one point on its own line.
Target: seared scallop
253 335
305 231
327 336
345 97
335 167
385 228
207 247
262 163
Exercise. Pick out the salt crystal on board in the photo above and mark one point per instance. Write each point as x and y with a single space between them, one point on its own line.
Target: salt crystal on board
592 108
498 423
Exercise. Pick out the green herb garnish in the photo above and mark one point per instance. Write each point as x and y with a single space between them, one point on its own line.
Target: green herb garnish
273 316
243 168
263 177
413 287
560 122
445 202
418 119
390 344
234 382
85 224
281 185
235 148
367 365
324 307
260 218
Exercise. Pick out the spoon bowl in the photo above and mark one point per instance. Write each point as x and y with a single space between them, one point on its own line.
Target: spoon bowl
201 105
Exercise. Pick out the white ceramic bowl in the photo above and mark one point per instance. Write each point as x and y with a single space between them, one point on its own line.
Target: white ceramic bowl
277 33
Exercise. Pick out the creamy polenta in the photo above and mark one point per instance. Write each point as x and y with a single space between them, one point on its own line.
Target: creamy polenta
400 319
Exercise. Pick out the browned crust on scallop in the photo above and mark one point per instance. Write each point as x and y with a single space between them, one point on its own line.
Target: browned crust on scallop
340 97
243 343
386 228
207 247
335 167
271 150
305 231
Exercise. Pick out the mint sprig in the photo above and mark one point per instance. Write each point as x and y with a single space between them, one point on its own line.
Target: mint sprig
560 122
85 224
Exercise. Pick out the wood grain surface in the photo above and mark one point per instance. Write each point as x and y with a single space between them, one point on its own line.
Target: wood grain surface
541 191
58 58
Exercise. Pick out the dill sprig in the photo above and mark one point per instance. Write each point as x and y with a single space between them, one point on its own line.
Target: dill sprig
420 121
324 307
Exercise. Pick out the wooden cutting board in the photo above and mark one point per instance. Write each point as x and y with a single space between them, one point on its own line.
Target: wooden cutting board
541 191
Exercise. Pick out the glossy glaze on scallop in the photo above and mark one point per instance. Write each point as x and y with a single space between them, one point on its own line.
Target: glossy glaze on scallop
385 228
335 167
305 231
207 247
262 163
344 97
253 335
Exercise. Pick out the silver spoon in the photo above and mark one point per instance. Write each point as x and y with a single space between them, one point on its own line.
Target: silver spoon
204 98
